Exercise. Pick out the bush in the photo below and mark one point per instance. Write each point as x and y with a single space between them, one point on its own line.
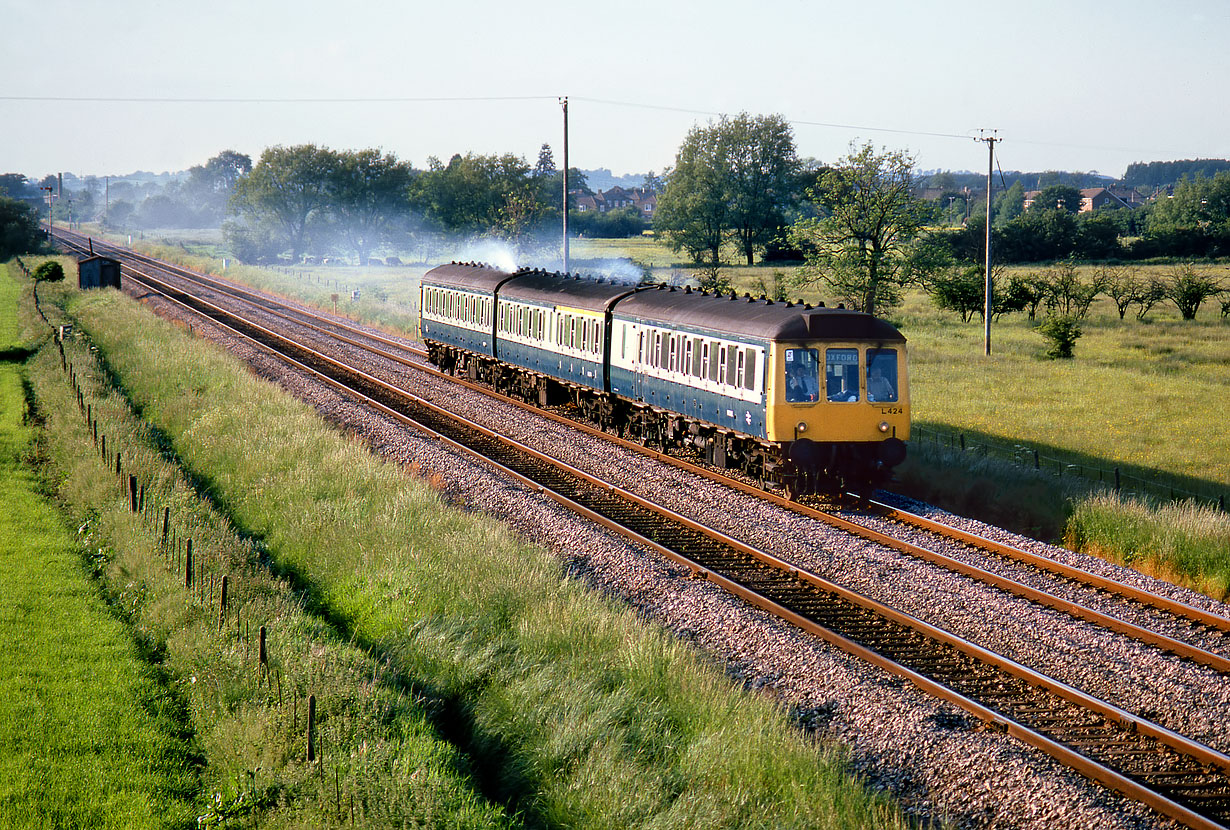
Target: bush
1063 332
49 271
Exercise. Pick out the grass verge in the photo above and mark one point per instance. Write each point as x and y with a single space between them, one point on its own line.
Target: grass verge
90 736
572 712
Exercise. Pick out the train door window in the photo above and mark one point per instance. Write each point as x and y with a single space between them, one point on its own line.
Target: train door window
733 364
698 369
662 358
882 375
841 375
689 352
741 369
749 369
802 375
640 347
721 364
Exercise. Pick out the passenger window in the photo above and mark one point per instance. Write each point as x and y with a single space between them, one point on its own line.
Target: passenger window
882 375
841 375
802 378
712 354
749 372
733 364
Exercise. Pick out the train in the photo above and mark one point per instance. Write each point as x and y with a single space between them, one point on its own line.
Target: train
803 399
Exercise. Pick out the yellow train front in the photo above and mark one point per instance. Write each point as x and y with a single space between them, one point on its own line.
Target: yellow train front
808 398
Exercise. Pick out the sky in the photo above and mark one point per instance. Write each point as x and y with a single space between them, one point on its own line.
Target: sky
159 85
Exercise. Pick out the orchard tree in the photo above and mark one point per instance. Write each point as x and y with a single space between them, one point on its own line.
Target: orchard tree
867 243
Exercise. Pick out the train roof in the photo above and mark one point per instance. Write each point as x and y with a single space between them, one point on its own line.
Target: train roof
565 290
473 276
768 319
671 305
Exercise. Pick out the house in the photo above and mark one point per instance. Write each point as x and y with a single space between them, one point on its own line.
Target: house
1097 198
615 198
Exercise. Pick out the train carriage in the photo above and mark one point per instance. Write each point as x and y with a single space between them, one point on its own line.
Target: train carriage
457 310
556 327
806 398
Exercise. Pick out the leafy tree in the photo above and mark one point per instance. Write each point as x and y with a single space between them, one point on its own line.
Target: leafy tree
962 290
19 229
693 211
1152 292
471 193
1097 235
1008 205
732 180
49 271
610 224
867 246
763 164
1030 291
1189 288
209 186
1036 236
1063 332
286 189
654 183
1057 197
367 189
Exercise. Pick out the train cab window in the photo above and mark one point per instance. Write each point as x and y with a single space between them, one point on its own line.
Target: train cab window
841 375
802 380
882 375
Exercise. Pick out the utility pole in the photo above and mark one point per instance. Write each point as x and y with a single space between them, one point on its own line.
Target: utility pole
50 193
986 312
564 103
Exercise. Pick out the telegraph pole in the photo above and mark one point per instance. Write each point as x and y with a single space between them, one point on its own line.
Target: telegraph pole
986 312
563 102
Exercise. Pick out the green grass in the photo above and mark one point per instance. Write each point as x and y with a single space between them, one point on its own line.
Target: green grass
89 735
574 711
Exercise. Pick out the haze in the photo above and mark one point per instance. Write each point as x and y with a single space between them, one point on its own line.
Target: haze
1075 86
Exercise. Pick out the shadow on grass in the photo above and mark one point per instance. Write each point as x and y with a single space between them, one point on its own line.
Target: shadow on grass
1079 471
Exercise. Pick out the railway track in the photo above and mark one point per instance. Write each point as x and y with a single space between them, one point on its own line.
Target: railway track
1177 776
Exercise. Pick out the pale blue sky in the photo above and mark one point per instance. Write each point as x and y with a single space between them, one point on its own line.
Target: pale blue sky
1071 85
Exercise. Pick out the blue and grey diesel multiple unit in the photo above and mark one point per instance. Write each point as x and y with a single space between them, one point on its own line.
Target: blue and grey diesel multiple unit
801 397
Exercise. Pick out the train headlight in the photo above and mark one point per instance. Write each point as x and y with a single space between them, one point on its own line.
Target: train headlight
884 426
800 427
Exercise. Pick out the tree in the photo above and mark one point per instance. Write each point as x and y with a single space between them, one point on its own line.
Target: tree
867 246
1058 197
1068 295
471 193
209 186
1063 333
49 271
1008 205
546 162
286 189
1189 288
1123 285
733 181
693 210
19 229
367 190
763 164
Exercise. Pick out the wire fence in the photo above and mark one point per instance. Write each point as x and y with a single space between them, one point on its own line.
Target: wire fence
1156 484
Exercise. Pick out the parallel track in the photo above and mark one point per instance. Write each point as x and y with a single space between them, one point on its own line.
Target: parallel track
1177 776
